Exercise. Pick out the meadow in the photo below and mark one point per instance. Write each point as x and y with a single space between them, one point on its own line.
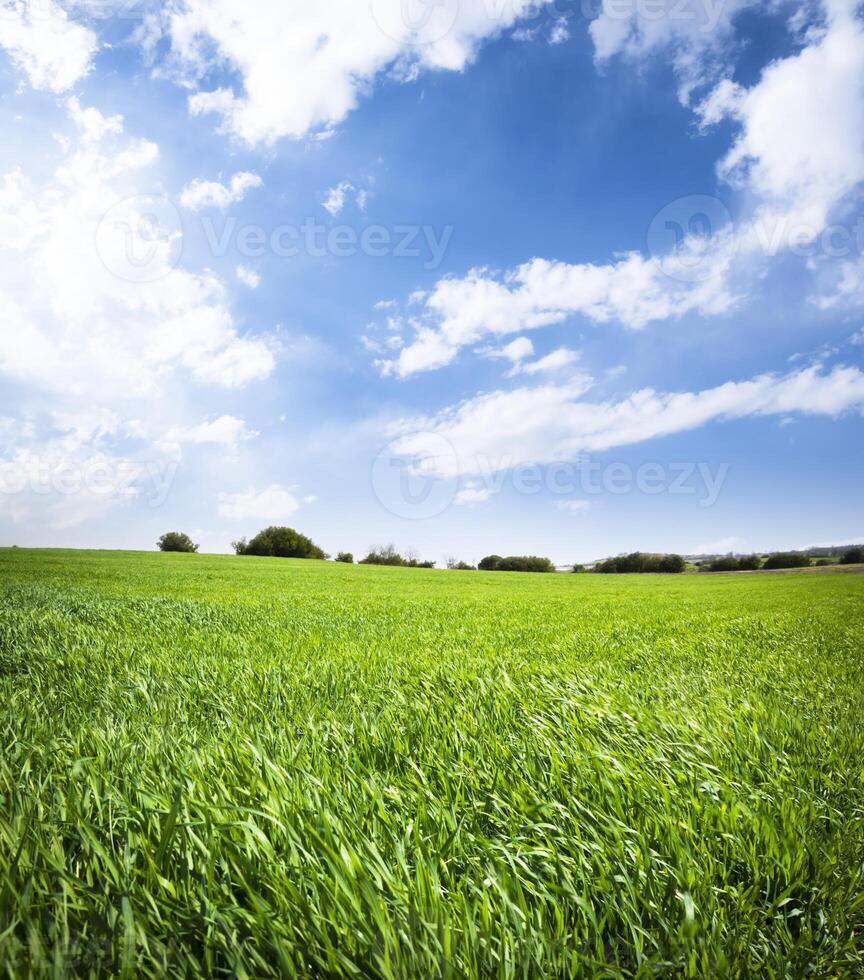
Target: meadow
243 767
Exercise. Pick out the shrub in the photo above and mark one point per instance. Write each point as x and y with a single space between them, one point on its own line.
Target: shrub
854 556
787 559
578 569
726 564
641 563
460 566
177 541
345 557
824 562
750 563
279 542
516 563
388 555
747 563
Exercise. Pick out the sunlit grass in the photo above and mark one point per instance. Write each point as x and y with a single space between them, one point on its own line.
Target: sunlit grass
251 767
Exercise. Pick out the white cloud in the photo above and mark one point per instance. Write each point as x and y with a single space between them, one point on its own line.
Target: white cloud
272 504
634 291
697 34
334 202
225 431
799 167
573 506
249 277
502 429
302 67
52 50
558 360
517 350
473 495
97 310
201 194
721 547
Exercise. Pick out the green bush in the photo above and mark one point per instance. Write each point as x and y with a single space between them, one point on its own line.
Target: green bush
345 557
516 563
177 541
747 563
279 542
641 563
854 556
388 555
787 559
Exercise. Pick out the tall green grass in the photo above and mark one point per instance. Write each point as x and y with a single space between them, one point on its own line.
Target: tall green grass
248 767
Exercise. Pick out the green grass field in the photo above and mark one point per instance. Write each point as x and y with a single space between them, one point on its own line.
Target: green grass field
248 767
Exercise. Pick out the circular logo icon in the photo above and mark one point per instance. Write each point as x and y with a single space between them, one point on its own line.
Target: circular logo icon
140 238
692 239
415 22
415 478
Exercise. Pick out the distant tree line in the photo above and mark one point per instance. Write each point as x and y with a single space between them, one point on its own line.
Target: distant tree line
388 555
516 563
730 563
854 556
641 563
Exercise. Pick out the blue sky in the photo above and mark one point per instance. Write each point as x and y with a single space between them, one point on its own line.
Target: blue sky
558 278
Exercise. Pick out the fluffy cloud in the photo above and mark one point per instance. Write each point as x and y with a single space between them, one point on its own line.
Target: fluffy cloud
52 50
249 277
795 170
226 431
302 67
548 423
201 194
634 291
97 310
272 504
800 164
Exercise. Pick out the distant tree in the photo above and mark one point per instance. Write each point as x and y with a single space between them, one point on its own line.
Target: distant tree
383 555
854 556
750 563
824 562
516 563
460 566
388 555
279 542
726 564
578 569
787 559
640 563
177 541
345 557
